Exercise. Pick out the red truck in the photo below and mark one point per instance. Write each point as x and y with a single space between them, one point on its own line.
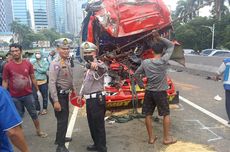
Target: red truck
122 31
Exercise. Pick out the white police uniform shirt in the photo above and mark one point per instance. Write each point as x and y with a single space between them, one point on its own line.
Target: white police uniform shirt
94 80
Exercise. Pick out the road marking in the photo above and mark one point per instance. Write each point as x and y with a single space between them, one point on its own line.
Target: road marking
209 129
210 114
71 125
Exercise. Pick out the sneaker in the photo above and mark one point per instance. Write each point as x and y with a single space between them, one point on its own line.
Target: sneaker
38 113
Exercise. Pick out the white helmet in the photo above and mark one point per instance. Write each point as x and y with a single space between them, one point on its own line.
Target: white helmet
88 47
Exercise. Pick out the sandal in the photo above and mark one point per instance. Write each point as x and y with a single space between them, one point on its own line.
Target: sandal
172 141
38 113
153 141
44 112
42 134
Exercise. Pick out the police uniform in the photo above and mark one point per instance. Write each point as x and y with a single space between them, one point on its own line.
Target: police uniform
60 84
93 91
224 69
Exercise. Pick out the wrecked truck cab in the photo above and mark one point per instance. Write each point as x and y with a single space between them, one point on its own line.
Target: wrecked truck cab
122 31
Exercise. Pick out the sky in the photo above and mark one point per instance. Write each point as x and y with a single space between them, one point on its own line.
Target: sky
172 6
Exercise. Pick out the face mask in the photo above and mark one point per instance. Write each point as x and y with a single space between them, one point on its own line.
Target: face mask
38 56
88 58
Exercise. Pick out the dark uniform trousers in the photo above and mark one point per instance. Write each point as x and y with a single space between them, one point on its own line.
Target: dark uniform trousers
95 108
62 118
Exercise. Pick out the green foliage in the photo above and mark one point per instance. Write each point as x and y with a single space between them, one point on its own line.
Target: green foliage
191 30
50 34
196 36
25 36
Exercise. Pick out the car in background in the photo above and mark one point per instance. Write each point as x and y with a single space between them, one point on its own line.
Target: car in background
189 52
206 52
72 53
220 53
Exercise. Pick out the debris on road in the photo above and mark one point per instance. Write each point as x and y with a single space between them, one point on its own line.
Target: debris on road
217 98
186 146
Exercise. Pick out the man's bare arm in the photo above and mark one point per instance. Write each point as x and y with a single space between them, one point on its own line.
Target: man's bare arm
34 81
17 138
5 84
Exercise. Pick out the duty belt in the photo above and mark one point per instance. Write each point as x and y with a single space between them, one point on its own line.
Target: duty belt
93 95
64 91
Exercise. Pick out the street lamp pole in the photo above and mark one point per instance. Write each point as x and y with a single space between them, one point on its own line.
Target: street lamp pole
213 33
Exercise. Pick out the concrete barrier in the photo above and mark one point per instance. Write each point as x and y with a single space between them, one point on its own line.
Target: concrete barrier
199 65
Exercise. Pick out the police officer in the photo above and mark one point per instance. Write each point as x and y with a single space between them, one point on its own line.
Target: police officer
224 69
60 84
92 90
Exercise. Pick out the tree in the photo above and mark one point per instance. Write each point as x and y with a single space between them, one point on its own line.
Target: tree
19 30
186 10
25 36
193 34
220 8
50 34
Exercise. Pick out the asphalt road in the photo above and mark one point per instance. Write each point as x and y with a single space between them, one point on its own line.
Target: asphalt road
189 125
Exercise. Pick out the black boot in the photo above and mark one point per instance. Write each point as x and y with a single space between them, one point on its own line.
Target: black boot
61 149
67 139
91 148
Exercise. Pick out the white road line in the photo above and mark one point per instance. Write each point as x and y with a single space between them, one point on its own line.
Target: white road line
210 114
208 129
71 125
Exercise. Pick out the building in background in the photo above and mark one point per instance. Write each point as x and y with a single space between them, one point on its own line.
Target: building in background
75 15
9 13
6 15
20 12
80 13
61 16
71 18
40 14
51 13
3 26
43 14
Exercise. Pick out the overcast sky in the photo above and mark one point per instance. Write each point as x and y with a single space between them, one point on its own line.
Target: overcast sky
172 6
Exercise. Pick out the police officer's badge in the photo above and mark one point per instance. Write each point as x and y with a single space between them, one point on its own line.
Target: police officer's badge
65 41
86 46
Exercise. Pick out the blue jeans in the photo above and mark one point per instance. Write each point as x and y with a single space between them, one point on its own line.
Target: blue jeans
26 102
44 91
227 103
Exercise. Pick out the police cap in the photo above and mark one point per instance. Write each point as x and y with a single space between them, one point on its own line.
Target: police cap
63 42
88 47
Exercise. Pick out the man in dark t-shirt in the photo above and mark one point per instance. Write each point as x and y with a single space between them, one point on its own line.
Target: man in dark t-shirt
18 76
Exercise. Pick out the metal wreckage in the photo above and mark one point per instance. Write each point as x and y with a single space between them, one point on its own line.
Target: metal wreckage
122 30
